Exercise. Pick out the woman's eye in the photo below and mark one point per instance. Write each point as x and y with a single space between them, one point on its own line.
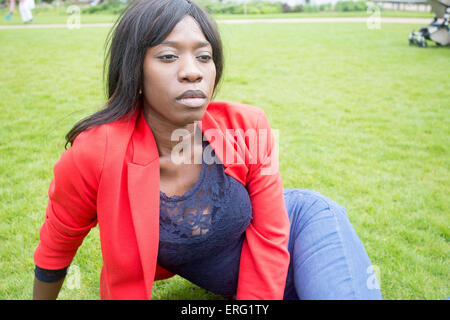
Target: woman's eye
206 58
167 57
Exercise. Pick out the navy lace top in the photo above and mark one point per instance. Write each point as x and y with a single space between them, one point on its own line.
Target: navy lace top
202 231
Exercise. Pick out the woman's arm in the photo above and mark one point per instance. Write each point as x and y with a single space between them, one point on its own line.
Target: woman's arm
47 283
46 290
265 257
71 211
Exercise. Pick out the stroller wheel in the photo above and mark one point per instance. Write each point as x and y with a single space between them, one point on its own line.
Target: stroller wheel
421 42
411 39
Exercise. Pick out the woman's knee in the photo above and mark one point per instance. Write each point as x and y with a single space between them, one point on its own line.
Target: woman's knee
321 229
304 204
317 196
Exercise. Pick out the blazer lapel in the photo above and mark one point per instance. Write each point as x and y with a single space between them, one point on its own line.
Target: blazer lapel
143 192
224 147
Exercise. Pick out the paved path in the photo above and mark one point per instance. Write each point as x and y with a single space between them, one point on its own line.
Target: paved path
420 21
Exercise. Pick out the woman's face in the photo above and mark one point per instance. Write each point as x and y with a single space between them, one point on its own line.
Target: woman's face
170 69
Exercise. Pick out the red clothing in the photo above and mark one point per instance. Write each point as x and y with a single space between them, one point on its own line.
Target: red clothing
110 176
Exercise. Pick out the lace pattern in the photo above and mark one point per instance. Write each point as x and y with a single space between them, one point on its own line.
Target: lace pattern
201 232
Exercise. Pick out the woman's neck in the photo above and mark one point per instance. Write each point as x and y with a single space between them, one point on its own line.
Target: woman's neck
162 131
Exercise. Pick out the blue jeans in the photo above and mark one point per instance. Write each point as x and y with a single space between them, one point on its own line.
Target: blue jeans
328 260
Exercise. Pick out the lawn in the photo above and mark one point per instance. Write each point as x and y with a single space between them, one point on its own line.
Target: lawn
362 118
60 16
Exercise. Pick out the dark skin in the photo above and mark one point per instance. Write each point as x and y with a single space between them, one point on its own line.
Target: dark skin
168 71
46 290
187 66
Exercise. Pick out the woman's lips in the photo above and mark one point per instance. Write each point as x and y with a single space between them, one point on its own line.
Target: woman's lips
192 102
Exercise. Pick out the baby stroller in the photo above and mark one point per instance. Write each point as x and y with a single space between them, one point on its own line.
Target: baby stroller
437 32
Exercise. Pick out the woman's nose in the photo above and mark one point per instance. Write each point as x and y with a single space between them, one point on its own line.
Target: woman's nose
189 70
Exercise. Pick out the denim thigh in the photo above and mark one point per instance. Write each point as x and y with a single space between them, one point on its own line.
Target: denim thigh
328 260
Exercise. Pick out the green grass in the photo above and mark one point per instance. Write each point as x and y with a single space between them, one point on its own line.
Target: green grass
387 13
362 118
60 16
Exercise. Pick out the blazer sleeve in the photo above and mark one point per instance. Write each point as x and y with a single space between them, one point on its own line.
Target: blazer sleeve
71 209
265 256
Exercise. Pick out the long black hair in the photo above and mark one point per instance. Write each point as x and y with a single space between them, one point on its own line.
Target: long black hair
142 24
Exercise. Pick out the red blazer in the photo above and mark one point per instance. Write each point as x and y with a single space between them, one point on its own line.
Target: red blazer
110 176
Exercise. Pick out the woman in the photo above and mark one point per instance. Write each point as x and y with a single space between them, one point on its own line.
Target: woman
221 220
25 7
12 4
